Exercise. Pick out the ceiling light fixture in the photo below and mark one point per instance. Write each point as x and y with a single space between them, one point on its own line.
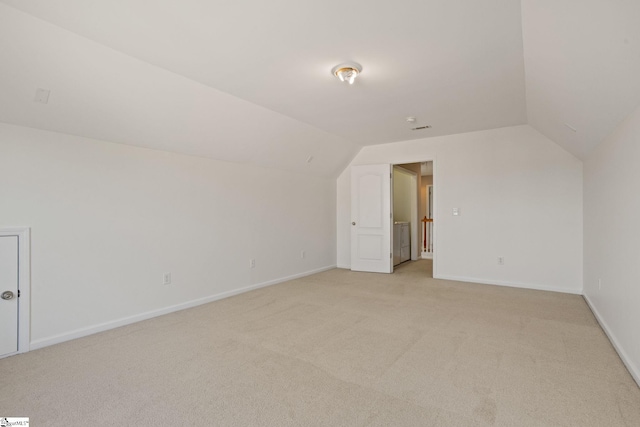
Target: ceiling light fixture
347 72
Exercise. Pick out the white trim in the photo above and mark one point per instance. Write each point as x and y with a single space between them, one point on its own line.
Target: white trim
82 332
508 284
415 232
24 284
631 367
435 216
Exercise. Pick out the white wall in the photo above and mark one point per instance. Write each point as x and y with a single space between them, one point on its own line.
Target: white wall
108 219
611 238
402 195
520 197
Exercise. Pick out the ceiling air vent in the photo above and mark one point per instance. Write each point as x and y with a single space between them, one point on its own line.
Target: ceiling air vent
421 127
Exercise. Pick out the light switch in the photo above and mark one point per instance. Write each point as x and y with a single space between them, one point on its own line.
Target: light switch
456 211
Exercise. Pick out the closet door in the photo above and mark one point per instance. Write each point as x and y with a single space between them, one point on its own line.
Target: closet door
8 294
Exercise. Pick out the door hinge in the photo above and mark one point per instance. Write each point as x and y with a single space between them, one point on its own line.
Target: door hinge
390 255
18 293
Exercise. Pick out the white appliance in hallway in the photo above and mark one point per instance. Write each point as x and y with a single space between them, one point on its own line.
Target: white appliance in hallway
401 242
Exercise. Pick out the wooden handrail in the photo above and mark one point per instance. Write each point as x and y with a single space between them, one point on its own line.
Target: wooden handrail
425 220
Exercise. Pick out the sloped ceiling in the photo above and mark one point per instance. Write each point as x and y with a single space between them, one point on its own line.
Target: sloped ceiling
100 93
249 80
582 60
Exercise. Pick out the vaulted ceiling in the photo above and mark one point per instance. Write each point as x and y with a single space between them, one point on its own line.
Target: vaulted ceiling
249 81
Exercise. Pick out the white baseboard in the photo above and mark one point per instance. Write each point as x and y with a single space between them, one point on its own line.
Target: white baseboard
426 255
508 284
101 327
631 367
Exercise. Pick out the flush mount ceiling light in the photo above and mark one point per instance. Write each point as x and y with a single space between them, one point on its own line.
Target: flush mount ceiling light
347 72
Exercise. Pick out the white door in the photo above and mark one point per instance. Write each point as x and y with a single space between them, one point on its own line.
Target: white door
371 218
9 294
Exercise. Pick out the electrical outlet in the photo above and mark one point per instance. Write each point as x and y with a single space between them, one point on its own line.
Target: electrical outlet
252 263
303 254
166 279
500 260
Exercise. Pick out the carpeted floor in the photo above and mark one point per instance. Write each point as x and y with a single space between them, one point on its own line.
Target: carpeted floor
338 349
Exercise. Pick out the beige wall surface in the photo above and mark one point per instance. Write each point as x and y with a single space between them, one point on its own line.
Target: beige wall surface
611 243
107 220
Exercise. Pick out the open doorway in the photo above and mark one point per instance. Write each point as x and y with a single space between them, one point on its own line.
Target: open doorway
372 217
406 185
413 214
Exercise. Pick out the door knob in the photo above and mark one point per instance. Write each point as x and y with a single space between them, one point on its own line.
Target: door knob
7 295
353 223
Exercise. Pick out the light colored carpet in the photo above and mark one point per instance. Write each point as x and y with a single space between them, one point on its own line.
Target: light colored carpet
338 349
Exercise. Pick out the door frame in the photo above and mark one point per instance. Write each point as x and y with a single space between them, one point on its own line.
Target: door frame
434 211
415 230
434 215
24 284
